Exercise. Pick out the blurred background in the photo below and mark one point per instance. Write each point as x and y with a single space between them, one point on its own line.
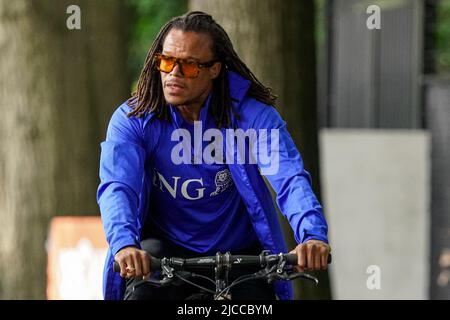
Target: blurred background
364 88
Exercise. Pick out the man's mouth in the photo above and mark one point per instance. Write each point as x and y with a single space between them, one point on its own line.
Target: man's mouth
175 89
174 85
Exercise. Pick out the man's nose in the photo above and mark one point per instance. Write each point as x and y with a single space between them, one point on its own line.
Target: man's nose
176 71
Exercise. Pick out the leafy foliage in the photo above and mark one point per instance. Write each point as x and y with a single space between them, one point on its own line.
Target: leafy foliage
148 18
442 53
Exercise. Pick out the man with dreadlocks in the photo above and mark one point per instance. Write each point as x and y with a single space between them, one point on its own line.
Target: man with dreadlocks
151 205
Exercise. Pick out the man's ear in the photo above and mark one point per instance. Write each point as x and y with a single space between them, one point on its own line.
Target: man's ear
215 69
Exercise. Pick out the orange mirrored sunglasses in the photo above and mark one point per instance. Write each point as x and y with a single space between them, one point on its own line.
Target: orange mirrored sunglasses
188 68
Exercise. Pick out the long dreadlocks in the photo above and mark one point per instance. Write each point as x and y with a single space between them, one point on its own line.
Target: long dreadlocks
149 96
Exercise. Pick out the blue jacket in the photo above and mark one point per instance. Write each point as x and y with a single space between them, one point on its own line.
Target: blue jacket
126 183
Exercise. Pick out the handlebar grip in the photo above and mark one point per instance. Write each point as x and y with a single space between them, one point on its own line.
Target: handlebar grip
291 258
155 264
116 266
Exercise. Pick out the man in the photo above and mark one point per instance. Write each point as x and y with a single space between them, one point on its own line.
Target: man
160 196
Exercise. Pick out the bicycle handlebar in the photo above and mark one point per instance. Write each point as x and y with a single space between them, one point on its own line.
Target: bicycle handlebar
226 259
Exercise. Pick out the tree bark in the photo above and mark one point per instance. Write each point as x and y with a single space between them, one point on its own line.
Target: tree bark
58 89
276 41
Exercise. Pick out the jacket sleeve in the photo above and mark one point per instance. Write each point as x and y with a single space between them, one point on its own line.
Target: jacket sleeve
121 173
287 176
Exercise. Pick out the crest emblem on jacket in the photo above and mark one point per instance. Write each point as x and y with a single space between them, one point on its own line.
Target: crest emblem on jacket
223 181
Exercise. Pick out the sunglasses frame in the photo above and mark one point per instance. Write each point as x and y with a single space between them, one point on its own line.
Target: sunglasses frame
199 65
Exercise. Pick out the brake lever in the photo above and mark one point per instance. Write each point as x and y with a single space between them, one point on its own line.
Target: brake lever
158 283
285 276
167 275
154 282
295 275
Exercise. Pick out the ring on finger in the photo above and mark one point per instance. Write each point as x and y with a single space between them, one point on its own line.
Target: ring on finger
130 269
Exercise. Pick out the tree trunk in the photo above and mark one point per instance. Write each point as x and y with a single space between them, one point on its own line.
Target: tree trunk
276 41
59 87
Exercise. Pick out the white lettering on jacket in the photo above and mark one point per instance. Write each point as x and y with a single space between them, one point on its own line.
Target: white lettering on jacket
160 181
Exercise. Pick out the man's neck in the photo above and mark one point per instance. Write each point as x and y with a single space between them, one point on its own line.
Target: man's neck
191 111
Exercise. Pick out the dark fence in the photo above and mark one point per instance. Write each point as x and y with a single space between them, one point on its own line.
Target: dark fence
438 122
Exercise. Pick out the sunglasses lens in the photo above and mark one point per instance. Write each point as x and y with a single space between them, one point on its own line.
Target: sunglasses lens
166 64
190 69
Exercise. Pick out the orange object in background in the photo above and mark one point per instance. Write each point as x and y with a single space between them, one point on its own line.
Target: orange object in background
76 254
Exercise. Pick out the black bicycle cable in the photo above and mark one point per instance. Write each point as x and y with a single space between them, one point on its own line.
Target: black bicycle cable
194 284
244 278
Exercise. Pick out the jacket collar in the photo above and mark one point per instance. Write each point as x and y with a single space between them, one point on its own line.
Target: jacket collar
238 86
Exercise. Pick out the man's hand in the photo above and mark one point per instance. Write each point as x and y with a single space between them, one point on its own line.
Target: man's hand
312 255
133 262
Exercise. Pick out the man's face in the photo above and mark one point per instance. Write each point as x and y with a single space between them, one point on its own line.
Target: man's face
194 46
